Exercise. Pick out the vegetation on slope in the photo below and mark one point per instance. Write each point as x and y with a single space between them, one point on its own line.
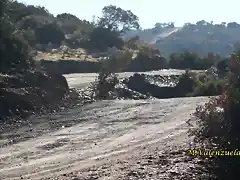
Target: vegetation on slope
42 31
218 128
24 26
23 87
14 48
202 37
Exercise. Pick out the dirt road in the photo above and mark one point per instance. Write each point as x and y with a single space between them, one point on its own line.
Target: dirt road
81 80
93 135
103 140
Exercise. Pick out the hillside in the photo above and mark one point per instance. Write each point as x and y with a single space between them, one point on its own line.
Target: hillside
201 38
45 31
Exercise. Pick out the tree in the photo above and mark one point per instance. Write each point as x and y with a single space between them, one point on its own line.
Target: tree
67 16
223 24
171 25
13 47
17 11
158 25
4 4
115 18
71 24
101 38
233 25
29 22
49 33
201 23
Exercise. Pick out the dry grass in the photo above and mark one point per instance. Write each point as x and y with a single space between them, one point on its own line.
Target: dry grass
72 54
77 55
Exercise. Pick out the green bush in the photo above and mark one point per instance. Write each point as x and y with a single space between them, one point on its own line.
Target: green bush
103 38
187 83
107 79
190 60
14 48
209 87
49 33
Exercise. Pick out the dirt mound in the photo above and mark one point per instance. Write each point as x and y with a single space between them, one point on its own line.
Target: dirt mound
30 92
152 85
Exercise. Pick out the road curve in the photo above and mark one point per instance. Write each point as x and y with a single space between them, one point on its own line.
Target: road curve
93 134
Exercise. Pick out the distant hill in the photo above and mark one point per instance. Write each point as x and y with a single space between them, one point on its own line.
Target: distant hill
201 38
41 29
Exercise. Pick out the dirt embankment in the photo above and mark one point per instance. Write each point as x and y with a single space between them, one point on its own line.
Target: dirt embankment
32 91
66 61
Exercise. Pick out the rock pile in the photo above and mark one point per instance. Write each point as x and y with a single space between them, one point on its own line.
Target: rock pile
21 94
178 86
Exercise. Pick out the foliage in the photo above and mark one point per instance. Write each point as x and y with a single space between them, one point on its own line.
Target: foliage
102 39
222 67
191 60
148 50
17 11
186 81
147 58
109 27
118 19
132 43
72 24
49 33
40 27
219 123
201 37
209 88
204 84
107 79
14 48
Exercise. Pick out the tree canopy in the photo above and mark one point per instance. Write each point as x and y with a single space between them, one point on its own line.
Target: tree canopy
116 18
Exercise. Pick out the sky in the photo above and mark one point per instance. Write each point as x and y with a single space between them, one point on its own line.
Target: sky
150 11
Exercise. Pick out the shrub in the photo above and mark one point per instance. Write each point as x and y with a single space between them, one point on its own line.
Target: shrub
14 48
190 60
107 78
49 33
209 87
186 82
102 39
147 58
218 125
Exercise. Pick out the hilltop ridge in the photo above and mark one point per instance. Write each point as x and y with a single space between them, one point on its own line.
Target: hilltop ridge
202 38
42 30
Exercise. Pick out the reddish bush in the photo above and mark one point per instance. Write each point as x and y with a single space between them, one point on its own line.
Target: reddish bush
219 122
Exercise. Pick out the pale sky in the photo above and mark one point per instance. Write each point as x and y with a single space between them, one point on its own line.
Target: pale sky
150 11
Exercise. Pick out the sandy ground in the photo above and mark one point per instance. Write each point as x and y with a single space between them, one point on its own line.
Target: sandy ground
124 139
